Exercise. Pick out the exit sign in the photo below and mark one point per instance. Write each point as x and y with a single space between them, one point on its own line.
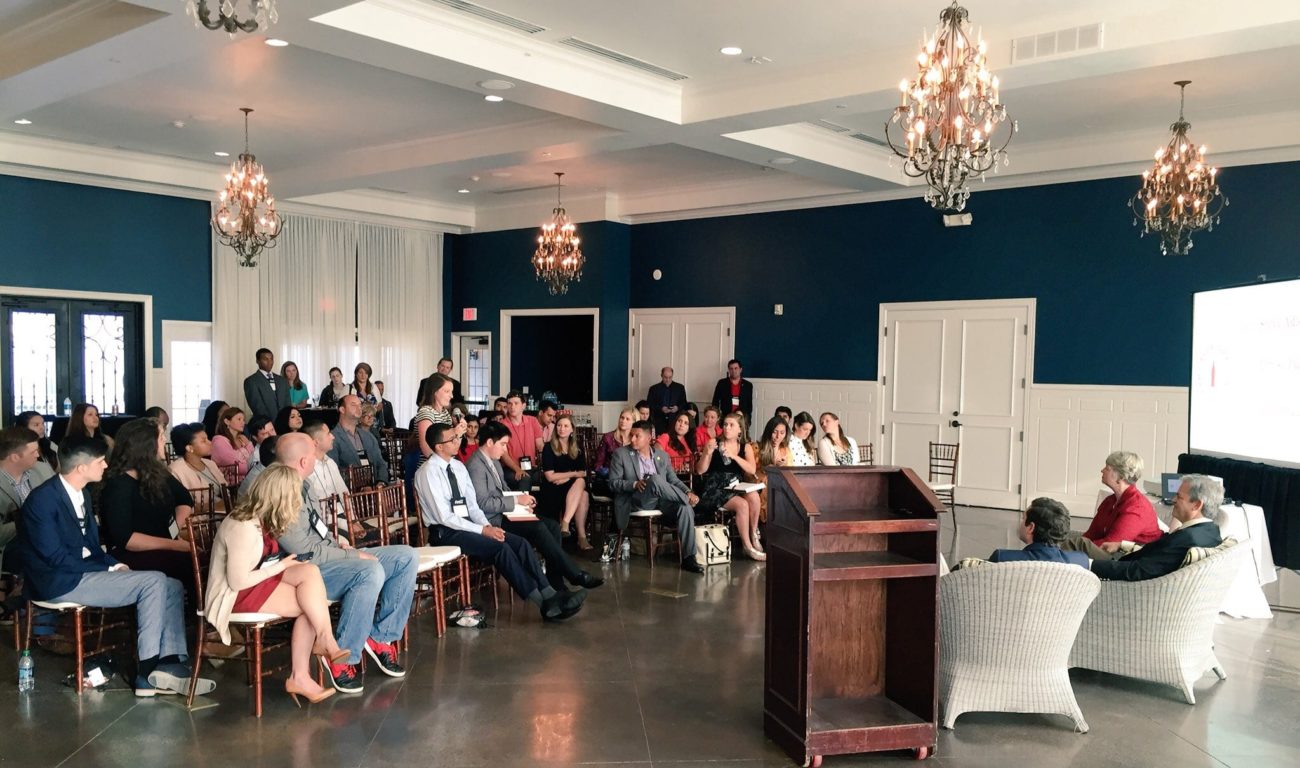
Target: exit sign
469 314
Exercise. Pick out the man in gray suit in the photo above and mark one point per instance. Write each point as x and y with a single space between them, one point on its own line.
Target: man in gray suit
641 476
21 472
484 467
265 390
356 446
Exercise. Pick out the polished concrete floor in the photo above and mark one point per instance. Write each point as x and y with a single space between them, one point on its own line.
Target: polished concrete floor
665 678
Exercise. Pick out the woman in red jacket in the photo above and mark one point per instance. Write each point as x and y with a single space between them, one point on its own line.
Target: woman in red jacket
1125 515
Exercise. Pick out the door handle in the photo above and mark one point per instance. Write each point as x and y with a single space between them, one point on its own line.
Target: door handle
954 423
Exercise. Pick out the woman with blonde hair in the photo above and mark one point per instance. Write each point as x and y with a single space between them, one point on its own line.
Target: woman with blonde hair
835 449
615 439
249 574
564 490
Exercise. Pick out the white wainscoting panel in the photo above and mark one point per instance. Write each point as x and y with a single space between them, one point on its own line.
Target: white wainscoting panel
856 403
1073 428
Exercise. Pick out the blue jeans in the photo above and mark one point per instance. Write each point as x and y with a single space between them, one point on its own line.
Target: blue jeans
375 594
158 600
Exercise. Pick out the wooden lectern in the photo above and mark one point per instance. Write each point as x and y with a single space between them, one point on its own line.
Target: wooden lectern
852 611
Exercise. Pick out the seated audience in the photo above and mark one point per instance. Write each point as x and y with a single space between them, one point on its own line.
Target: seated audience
288 420
667 399
546 413
710 428
248 573
259 429
355 446
265 391
364 388
1125 515
501 406
1196 510
469 443
160 415
49 451
485 473
325 484
525 446
1044 526
724 462
562 491
642 477
375 585
449 507
84 424
784 412
385 407
299 395
58 543
333 391
835 448
679 443
774 446
614 439
212 417
230 447
370 418
803 453
193 466
643 412
143 507
265 458
21 472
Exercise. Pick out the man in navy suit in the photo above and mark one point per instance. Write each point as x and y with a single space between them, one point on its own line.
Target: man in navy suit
1043 528
265 390
666 399
58 542
1196 508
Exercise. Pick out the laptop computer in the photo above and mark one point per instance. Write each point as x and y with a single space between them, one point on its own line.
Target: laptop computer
1169 484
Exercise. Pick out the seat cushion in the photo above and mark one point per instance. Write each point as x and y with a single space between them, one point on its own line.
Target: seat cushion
254 618
647 513
57 606
435 556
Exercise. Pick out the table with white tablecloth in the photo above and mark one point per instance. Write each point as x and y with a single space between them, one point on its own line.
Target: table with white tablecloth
1245 523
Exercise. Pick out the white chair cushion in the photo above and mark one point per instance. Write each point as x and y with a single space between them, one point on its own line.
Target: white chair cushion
254 618
431 557
647 513
941 486
57 606
602 499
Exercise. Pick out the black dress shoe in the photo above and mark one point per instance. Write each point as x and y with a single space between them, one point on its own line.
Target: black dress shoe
551 607
587 581
572 599
692 565
564 614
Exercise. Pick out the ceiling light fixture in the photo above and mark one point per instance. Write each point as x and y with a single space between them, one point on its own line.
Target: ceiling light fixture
276 42
492 97
496 85
221 154
462 191
730 50
245 218
783 161
558 259
1180 193
950 112
263 15
22 121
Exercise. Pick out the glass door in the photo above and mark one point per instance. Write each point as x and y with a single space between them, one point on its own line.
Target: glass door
79 350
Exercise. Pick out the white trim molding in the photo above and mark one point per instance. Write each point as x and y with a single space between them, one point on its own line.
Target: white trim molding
854 402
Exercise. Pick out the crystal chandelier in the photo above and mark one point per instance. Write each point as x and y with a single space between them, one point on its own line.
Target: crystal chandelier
1180 193
558 259
950 113
245 218
263 15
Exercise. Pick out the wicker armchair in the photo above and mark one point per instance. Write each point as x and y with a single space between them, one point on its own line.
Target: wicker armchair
1005 635
1160 630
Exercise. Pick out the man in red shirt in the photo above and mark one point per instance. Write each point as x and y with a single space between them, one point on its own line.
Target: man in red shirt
734 393
1125 515
525 444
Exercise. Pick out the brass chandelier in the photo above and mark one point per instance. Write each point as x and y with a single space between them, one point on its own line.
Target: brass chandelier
1180 193
263 15
950 113
558 259
245 218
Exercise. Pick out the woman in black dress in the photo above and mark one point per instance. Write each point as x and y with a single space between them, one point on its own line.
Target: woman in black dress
563 492
723 462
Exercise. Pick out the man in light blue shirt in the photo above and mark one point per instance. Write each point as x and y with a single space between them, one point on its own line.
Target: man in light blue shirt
450 509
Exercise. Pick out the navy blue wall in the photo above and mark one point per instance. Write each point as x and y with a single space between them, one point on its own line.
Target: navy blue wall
1111 308
491 271
74 237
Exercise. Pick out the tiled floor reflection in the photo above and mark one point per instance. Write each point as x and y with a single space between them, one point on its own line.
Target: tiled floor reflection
645 679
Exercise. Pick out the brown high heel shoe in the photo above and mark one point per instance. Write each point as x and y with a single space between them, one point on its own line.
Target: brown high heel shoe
341 654
294 693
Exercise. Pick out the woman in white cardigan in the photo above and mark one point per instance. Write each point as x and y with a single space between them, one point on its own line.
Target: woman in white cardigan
249 574
834 449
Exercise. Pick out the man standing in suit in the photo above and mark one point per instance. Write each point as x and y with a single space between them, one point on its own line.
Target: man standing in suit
354 446
265 390
641 476
666 399
1196 508
21 471
1043 527
484 467
734 393
63 561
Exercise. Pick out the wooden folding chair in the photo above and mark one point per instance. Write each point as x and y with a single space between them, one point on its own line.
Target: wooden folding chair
103 621
233 474
867 454
359 477
943 478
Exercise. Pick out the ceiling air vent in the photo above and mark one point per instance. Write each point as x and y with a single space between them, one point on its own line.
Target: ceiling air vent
487 14
869 139
622 58
517 190
827 125
1063 42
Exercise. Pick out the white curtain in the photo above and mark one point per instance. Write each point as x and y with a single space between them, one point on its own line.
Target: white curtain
299 302
399 305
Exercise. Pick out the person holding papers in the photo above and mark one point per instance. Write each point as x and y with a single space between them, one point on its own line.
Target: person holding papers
642 477
724 463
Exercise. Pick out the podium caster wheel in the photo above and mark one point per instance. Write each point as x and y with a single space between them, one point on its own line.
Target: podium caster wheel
922 753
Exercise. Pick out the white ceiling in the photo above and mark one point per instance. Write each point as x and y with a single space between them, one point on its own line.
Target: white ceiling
375 106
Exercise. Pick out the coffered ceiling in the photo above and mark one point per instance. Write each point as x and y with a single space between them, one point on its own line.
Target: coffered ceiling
378 106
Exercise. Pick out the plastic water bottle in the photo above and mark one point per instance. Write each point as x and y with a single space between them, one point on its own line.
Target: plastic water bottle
626 554
26 672
67 406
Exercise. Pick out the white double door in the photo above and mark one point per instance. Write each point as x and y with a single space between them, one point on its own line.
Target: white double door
696 342
956 372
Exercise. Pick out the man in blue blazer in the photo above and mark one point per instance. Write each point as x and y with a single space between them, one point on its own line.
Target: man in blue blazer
58 543
642 477
1043 527
354 445
1196 508
265 390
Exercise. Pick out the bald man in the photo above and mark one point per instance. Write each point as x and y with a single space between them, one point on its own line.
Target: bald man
375 585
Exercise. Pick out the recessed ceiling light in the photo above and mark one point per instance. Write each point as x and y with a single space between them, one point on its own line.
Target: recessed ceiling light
178 123
221 154
22 121
463 191
546 154
492 97
496 85
783 161
276 42
730 50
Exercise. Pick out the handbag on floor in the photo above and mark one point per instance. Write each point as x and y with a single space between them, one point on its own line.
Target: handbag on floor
712 544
